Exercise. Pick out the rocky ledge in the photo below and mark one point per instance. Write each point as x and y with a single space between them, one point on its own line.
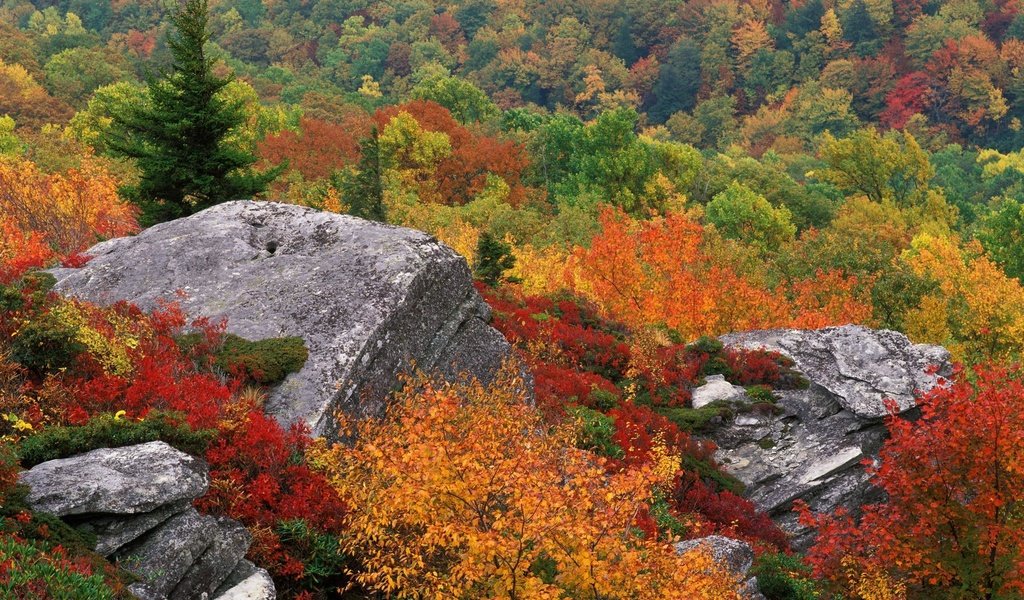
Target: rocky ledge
137 501
812 446
368 299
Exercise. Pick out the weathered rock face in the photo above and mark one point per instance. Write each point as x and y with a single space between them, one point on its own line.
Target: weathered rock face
137 500
813 448
124 481
368 299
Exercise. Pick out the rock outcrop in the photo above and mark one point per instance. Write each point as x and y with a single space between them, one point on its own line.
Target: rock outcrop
368 299
812 448
137 502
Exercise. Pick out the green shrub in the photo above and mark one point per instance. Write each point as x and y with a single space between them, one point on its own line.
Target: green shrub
721 480
596 431
603 399
761 393
785 577
264 361
41 527
33 570
695 420
46 346
661 512
706 345
322 558
106 431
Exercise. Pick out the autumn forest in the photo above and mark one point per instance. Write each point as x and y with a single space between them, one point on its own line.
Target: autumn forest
627 181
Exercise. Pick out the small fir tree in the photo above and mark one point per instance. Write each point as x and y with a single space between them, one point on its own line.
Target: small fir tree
493 258
364 190
177 138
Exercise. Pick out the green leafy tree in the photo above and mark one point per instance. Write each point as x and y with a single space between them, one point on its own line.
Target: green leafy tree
9 142
1002 235
741 214
678 81
890 167
363 190
465 101
178 140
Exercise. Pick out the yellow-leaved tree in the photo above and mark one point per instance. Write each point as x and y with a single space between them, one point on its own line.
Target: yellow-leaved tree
464 492
976 310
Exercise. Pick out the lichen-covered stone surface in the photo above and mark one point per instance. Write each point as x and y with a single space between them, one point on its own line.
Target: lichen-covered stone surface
137 501
123 481
813 447
368 299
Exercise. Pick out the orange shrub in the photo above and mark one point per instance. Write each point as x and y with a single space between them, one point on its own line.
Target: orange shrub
462 492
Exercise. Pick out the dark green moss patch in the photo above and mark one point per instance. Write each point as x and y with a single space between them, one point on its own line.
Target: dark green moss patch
264 361
696 420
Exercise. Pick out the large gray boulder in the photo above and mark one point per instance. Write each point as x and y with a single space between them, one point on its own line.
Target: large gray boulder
369 300
813 447
123 481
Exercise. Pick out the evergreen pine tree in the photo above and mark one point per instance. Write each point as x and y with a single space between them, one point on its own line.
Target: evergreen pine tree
493 258
177 138
364 190
859 28
678 81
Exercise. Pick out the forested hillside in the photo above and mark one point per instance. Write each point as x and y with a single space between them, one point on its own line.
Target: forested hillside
627 180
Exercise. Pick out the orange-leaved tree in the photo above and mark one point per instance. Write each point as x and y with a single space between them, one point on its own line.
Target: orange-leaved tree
463 492
663 272
71 210
953 525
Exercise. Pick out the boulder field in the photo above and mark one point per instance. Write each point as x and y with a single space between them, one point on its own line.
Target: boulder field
372 301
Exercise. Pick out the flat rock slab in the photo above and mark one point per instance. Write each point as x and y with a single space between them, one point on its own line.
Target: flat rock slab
716 388
113 532
230 543
368 299
736 555
122 481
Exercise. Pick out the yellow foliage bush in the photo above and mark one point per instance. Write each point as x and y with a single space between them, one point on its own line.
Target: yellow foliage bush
461 492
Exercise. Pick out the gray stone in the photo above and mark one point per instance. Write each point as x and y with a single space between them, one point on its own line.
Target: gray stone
131 480
251 584
368 299
163 557
861 367
751 590
115 531
243 570
822 434
230 543
716 388
736 555
143 592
